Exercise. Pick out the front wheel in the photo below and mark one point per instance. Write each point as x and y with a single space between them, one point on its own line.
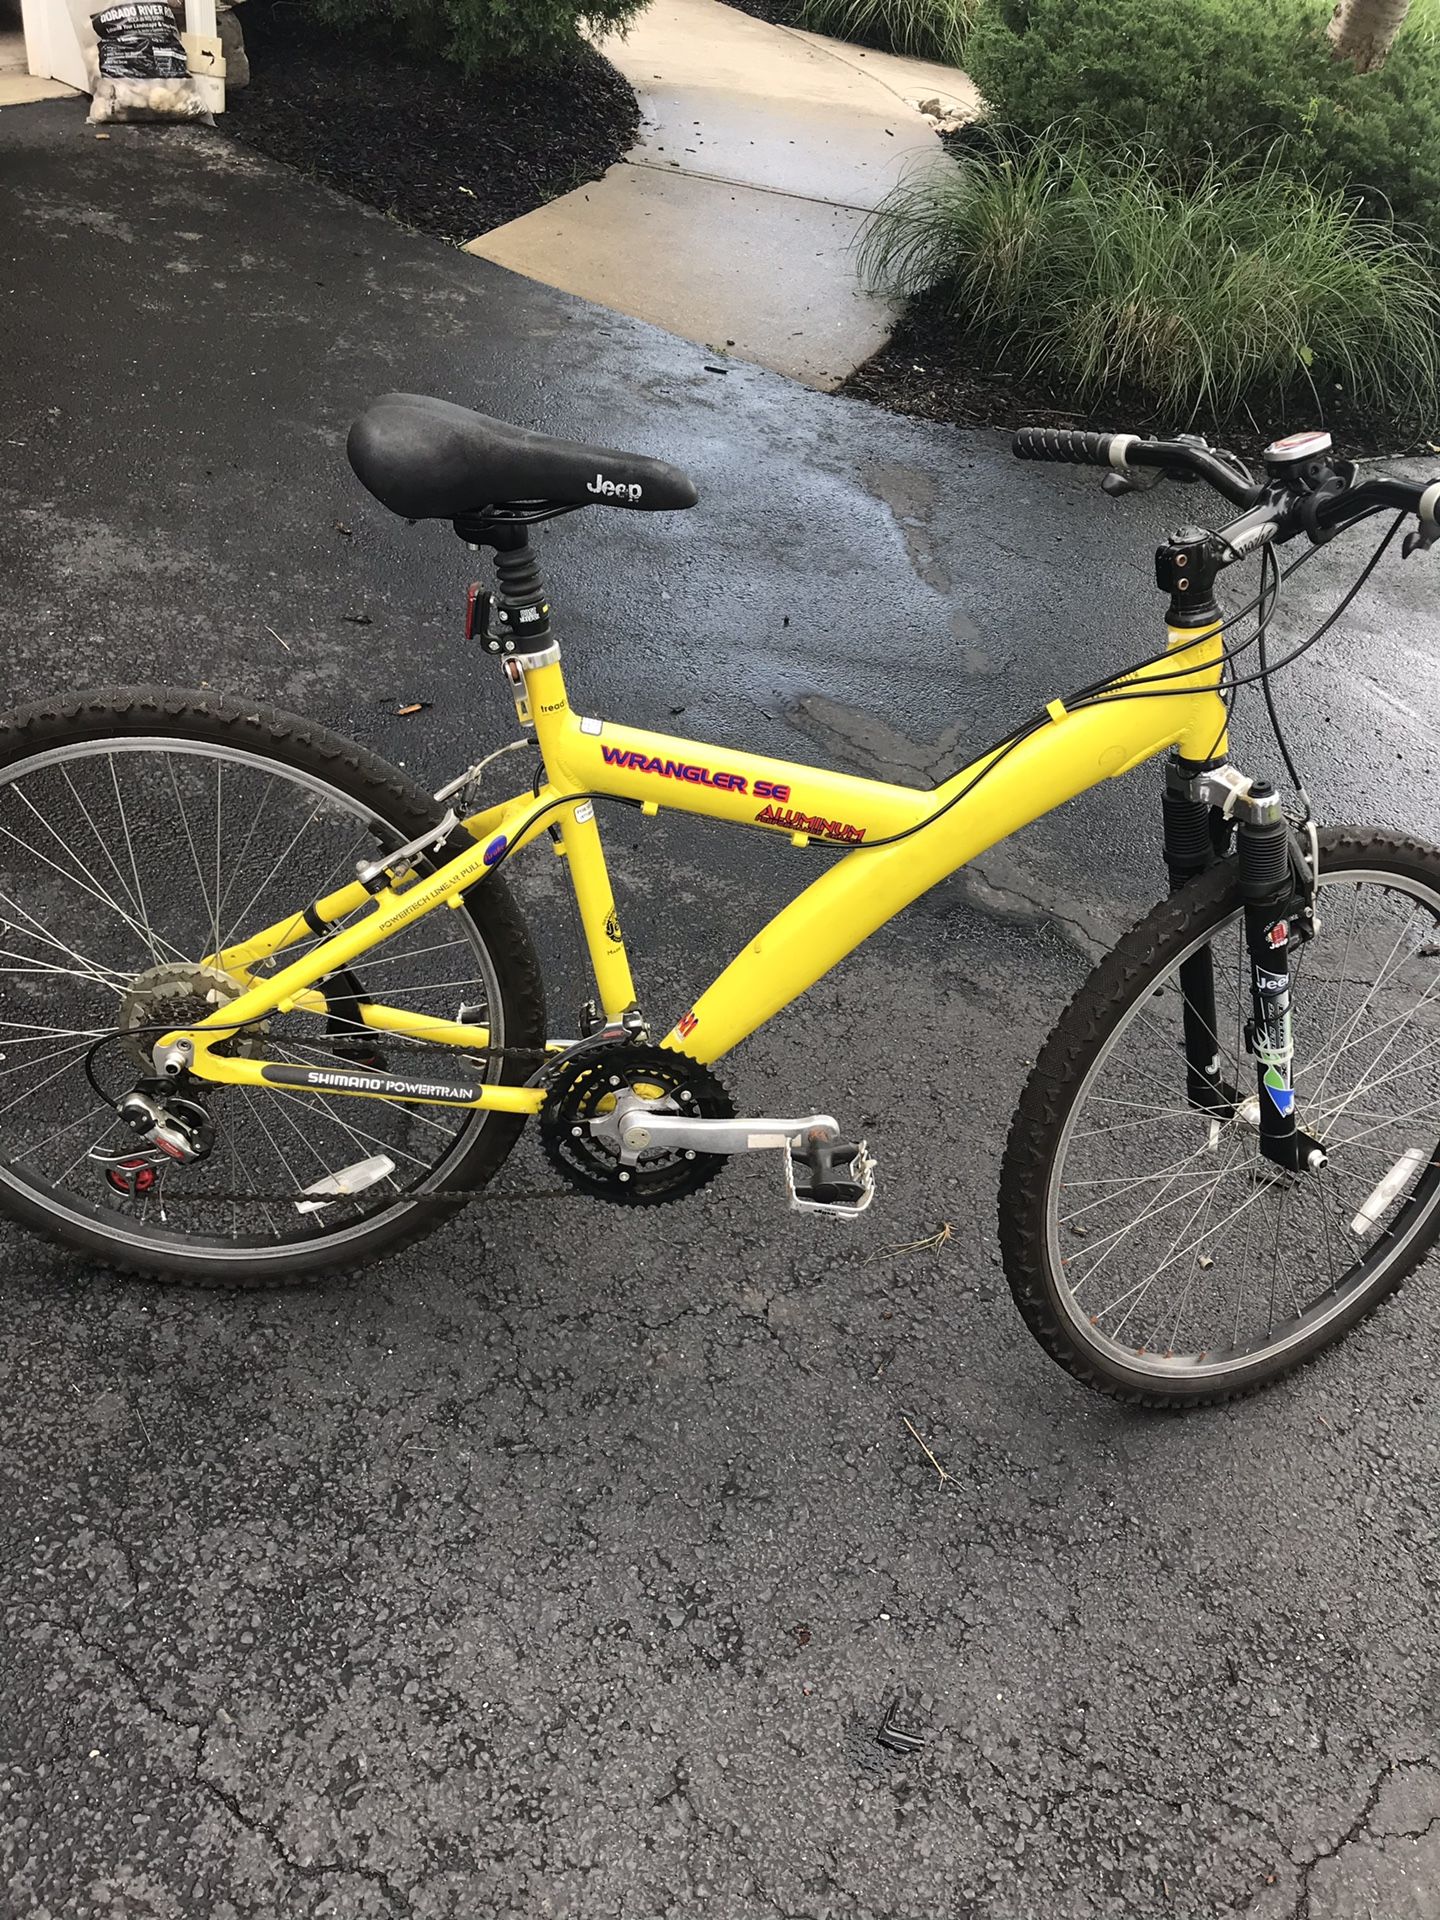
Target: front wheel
1154 1252
142 833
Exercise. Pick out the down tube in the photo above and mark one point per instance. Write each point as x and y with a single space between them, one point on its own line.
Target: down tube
870 886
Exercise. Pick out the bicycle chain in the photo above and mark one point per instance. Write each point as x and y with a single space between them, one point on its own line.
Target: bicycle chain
453 1197
456 1197
463 1196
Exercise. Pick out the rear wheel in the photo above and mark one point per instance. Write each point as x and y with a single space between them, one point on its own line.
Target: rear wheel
140 833
1155 1252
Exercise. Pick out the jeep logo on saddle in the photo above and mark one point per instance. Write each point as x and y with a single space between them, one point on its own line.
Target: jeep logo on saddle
614 489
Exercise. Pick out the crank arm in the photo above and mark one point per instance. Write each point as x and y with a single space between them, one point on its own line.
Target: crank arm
642 1131
821 1174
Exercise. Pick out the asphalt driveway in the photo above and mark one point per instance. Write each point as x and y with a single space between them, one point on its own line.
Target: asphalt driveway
568 1563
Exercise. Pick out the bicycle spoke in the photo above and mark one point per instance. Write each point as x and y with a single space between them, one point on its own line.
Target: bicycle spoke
315 1103
77 880
36 932
98 837
1195 1248
1200 1213
1359 1013
1128 1186
281 861
136 905
1184 1299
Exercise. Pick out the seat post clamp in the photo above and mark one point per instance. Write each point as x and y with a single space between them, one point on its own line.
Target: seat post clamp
515 629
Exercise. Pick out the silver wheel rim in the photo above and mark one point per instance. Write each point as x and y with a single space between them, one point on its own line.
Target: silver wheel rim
91 858
1219 1206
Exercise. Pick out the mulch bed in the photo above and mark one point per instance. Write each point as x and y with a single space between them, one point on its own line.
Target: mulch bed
779 13
412 135
791 13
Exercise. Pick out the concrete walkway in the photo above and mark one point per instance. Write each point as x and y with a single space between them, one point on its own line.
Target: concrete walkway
732 222
18 86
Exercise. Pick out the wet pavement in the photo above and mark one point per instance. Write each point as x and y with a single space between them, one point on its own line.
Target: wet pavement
568 1563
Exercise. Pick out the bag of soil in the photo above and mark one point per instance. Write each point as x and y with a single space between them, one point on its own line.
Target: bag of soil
139 67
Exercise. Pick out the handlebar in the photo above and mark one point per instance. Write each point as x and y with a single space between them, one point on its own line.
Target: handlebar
1277 507
1184 459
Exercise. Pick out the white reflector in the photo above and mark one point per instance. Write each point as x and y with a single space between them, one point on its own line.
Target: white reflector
335 1186
1389 1190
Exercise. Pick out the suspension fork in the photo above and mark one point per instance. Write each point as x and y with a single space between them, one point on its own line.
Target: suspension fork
1200 802
1273 907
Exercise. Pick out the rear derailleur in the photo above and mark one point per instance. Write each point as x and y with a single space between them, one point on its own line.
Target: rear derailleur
173 1130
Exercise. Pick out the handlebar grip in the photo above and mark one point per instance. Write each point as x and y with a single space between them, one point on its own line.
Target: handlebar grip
1064 443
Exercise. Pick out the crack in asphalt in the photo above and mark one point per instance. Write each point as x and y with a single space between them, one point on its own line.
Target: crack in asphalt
196 1733
700 1310
762 1319
1005 901
305 1870
1356 1831
103 1650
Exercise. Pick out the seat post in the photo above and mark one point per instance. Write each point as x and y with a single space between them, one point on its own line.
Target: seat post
517 619
522 605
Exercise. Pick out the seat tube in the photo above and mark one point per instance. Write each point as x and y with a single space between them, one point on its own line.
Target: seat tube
579 842
518 633
576 836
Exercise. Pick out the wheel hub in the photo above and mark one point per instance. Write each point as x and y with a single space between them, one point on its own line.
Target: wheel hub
181 993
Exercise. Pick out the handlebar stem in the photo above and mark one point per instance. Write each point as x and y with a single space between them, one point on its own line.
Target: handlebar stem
1187 562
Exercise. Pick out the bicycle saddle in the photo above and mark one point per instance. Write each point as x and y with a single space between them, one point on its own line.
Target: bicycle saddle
431 460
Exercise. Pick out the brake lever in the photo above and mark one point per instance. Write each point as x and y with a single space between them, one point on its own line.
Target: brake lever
1423 536
1117 483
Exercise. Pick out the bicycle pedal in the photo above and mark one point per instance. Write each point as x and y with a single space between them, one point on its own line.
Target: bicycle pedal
830 1176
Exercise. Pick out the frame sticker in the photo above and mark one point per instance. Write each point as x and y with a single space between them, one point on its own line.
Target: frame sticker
333 1080
1281 1095
810 823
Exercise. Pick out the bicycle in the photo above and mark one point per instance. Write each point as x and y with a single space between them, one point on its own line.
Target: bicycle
221 947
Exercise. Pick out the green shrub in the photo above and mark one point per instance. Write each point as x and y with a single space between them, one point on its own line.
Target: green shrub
929 29
1191 75
1102 272
479 33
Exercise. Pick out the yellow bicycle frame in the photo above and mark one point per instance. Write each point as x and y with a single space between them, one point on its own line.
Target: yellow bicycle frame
1161 705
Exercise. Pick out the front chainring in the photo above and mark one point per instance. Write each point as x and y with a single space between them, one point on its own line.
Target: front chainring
586 1088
